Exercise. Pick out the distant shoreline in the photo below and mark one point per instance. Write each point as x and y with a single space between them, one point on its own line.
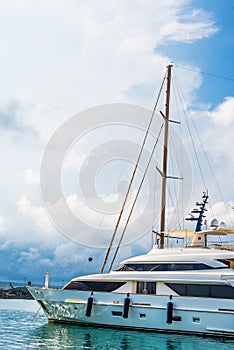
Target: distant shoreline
19 292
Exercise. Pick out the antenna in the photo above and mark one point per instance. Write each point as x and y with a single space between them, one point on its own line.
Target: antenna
200 211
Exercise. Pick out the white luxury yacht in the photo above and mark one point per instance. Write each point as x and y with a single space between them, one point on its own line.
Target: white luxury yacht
187 289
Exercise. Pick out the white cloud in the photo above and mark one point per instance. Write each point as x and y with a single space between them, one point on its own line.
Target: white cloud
32 177
189 28
58 58
38 214
223 212
214 149
67 253
29 256
223 115
2 224
103 48
5 245
220 133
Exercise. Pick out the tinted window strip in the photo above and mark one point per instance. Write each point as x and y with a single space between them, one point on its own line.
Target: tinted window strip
202 290
165 267
94 286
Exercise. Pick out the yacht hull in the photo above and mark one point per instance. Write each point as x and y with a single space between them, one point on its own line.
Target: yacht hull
201 316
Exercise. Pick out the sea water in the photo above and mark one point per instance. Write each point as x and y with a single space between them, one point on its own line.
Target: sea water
24 326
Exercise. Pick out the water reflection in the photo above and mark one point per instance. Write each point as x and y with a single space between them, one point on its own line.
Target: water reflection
171 345
125 343
20 329
88 341
59 336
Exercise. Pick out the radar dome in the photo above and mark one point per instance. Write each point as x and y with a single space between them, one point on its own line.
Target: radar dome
222 224
214 223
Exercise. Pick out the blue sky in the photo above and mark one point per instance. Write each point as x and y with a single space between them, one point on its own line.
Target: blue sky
61 58
212 55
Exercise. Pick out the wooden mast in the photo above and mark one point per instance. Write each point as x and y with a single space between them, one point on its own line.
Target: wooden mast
165 147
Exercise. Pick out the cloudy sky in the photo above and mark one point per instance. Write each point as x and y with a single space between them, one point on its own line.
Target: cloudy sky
60 59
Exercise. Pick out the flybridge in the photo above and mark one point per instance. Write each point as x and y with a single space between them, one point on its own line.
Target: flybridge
199 237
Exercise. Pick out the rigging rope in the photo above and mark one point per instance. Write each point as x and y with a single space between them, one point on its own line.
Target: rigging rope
205 73
190 134
176 209
134 202
92 244
205 153
180 158
153 211
212 173
132 178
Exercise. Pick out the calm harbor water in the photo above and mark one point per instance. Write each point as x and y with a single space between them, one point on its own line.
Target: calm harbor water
22 326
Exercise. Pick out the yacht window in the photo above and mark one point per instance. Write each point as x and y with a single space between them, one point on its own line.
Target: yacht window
222 291
116 313
176 318
164 267
95 286
203 290
197 290
137 267
228 262
146 287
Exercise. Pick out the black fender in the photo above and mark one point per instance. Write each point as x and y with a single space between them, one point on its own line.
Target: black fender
89 305
126 306
170 311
